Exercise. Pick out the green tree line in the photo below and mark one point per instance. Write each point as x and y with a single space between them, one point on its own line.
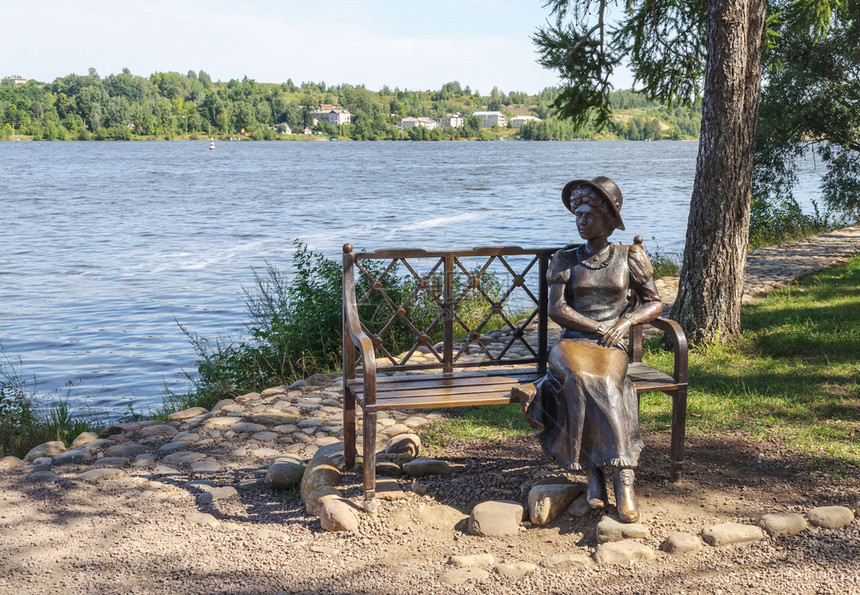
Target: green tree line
169 105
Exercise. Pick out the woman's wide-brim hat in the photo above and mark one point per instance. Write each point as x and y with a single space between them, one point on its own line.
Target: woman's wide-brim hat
606 188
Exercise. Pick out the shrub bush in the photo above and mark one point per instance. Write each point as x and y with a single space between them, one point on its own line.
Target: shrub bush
296 326
776 222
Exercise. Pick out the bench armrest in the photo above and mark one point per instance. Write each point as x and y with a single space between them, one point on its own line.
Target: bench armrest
353 332
679 342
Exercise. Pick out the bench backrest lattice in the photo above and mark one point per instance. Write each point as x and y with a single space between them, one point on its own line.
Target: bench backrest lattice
433 310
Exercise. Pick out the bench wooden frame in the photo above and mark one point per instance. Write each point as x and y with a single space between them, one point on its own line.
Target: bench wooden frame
458 383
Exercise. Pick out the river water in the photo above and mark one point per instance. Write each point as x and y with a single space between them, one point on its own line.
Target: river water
107 245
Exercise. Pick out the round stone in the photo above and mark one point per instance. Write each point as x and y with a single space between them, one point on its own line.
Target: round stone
337 515
409 444
48 449
610 529
679 544
548 501
187 413
730 533
183 458
424 466
496 518
84 438
782 523
320 472
472 560
388 469
10 462
622 552
830 517
321 495
396 429
126 450
517 569
285 473
73 456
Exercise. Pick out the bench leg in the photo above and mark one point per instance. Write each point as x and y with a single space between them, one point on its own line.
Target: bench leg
348 427
679 428
369 422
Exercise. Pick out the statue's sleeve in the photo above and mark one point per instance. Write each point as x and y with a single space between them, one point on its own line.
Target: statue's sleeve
641 274
559 268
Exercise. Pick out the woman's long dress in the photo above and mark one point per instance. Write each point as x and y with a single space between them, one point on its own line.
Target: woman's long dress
585 407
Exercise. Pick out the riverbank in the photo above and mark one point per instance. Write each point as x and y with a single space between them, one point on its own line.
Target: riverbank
185 504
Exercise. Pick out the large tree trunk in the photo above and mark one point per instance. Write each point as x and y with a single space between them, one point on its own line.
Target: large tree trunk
712 274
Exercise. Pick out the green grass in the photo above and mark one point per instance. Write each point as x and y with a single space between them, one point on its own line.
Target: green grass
477 423
794 376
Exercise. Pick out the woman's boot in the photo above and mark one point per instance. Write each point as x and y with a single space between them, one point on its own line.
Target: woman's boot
625 499
595 492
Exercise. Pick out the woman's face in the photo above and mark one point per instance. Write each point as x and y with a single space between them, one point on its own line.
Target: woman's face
593 219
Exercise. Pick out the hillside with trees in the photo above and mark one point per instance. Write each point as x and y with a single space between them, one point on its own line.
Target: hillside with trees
170 105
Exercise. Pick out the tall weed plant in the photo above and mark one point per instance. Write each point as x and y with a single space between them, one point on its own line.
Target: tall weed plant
294 331
295 325
23 424
774 222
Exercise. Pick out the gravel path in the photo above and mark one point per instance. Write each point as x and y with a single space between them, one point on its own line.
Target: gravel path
138 532
183 506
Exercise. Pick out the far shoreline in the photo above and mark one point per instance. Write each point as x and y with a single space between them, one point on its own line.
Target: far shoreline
338 139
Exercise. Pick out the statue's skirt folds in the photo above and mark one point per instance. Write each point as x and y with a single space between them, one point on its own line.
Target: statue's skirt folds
585 408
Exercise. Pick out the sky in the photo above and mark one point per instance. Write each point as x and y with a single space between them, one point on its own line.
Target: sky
400 43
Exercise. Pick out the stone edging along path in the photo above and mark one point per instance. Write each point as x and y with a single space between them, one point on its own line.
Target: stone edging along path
288 438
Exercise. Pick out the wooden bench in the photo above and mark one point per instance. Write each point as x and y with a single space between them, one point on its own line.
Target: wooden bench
465 368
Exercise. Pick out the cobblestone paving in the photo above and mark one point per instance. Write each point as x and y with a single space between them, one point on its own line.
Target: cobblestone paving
779 266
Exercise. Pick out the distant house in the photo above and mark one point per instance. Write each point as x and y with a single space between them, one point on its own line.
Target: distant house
307 131
452 121
518 121
331 114
413 122
490 118
14 79
283 128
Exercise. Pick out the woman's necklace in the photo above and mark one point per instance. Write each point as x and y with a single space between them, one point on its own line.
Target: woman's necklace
591 261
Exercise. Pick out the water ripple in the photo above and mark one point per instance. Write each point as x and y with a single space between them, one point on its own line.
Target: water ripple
110 242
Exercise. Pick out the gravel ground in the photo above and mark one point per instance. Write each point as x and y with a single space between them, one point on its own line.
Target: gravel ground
130 534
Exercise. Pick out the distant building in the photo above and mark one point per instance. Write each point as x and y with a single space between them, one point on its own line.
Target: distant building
331 114
490 118
412 122
518 121
452 121
283 128
15 80
307 131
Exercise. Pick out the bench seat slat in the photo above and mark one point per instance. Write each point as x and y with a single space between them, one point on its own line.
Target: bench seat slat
418 401
443 391
417 382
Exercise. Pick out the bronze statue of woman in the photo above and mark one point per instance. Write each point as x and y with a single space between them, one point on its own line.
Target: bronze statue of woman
585 408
